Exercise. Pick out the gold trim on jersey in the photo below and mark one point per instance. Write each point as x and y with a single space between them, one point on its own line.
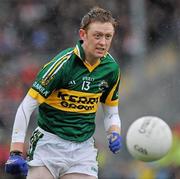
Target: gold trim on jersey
74 101
34 94
88 66
109 97
91 67
77 52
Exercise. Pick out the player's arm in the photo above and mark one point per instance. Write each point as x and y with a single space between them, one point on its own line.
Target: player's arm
112 120
43 86
16 163
112 125
21 122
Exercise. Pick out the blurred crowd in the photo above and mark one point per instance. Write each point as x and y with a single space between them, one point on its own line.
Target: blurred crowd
33 31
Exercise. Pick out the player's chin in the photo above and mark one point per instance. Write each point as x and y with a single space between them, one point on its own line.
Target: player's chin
100 55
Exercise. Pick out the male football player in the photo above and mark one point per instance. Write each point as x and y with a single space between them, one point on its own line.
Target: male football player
67 92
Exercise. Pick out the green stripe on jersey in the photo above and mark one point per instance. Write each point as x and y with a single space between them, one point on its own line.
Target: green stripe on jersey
67 125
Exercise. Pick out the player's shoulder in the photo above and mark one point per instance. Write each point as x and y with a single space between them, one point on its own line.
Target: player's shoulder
58 60
111 61
63 54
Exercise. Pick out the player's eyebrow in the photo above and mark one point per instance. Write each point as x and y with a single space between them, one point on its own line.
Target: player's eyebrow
100 32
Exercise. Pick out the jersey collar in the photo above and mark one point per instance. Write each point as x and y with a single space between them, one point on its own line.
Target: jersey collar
78 50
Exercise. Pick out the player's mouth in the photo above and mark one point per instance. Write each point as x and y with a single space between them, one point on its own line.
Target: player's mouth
100 50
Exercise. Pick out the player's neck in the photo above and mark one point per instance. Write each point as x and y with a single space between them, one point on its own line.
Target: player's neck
91 61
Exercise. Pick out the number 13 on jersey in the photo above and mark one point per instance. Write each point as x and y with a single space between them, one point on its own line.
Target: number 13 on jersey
86 85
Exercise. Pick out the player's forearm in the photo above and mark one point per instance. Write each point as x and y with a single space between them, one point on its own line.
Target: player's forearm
112 124
112 120
21 122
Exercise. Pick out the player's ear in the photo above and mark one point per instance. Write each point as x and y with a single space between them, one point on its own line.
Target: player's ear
82 33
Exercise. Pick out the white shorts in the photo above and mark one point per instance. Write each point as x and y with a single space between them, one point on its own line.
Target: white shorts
61 156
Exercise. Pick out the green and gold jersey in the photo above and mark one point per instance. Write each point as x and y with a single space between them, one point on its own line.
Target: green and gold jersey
69 91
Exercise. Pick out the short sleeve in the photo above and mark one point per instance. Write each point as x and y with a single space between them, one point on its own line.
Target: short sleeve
47 80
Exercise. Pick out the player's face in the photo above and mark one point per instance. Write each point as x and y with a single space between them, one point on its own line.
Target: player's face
97 39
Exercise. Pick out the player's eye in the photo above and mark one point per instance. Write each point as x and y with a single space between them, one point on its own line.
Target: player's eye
108 36
97 36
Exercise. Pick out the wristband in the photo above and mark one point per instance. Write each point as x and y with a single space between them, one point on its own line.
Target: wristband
16 152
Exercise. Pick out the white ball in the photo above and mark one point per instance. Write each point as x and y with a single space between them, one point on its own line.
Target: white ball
149 138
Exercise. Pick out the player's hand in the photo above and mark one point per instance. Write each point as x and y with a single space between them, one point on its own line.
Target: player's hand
16 165
115 142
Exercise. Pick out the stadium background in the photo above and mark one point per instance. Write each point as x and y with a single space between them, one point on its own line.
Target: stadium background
147 45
